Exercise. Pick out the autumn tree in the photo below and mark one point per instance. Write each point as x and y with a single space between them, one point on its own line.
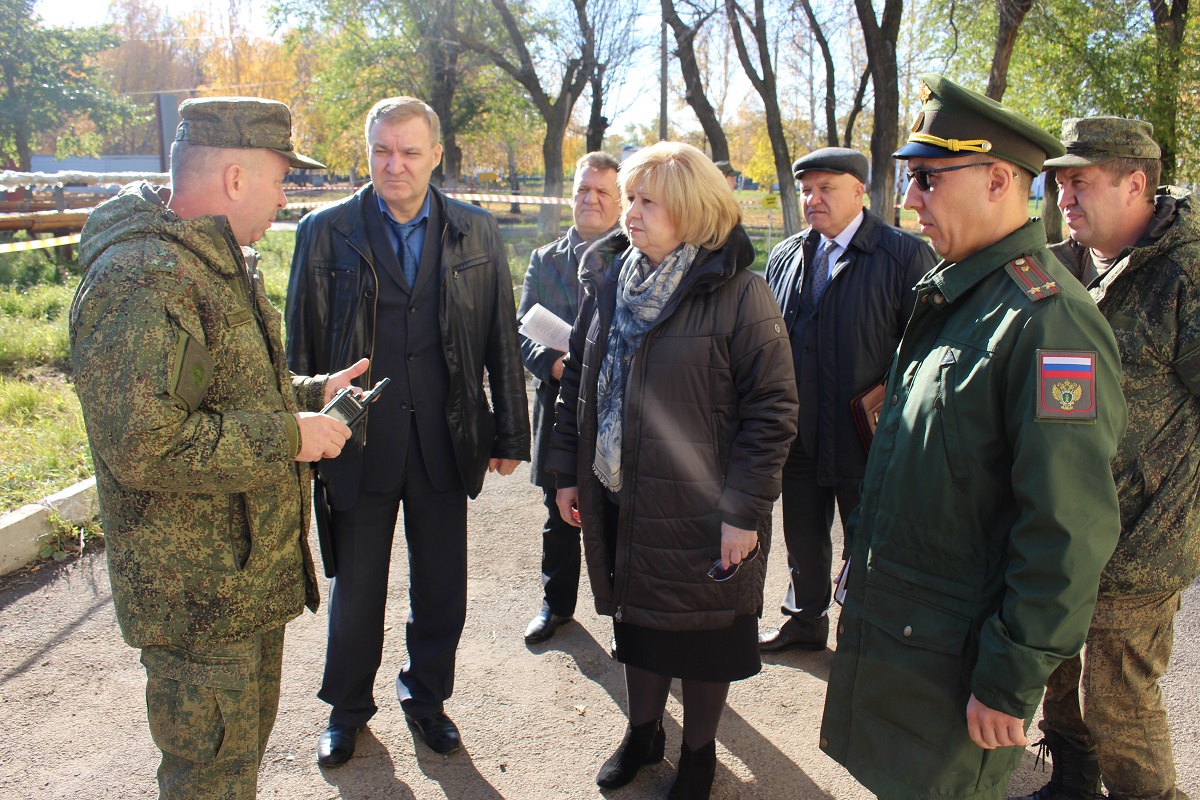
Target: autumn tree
572 39
880 35
685 32
763 77
50 85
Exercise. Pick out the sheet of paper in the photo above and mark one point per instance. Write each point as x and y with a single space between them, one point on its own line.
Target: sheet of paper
545 328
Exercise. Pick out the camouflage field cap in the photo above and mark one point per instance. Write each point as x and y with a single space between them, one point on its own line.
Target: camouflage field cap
1096 140
955 122
727 169
838 160
240 122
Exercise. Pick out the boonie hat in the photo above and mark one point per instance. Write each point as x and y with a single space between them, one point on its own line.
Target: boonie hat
249 122
838 160
955 121
1096 140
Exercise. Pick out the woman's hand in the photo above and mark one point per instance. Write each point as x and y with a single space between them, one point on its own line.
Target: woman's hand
567 500
736 543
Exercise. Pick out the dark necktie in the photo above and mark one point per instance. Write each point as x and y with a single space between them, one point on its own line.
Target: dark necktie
820 268
408 260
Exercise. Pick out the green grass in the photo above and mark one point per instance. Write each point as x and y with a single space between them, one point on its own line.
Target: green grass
43 445
33 327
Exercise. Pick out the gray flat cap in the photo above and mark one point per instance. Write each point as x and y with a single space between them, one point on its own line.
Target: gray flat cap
838 160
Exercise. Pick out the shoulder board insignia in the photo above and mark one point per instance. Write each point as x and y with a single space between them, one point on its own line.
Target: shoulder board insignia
1031 276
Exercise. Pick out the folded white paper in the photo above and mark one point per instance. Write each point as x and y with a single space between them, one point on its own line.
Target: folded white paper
543 327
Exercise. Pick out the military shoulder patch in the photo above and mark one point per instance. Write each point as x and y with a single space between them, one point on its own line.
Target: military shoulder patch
1031 276
1187 367
1066 385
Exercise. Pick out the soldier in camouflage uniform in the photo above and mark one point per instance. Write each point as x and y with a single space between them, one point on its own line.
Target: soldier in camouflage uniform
1138 253
198 443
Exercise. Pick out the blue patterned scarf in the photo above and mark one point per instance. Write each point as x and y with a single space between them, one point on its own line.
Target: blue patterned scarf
642 293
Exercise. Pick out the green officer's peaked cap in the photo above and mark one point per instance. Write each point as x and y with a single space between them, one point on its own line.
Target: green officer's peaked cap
1096 140
955 121
249 122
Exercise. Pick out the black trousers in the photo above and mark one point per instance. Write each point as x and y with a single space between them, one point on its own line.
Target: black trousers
560 559
435 530
807 522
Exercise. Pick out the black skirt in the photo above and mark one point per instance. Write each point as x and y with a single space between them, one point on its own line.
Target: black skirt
719 656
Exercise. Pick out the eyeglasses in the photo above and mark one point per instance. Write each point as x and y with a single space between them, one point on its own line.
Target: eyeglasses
719 573
921 176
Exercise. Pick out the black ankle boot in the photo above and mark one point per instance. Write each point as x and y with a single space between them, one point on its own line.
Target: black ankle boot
1075 774
697 768
642 745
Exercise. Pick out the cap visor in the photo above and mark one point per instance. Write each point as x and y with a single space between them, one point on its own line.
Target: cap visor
300 162
918 150
1070 161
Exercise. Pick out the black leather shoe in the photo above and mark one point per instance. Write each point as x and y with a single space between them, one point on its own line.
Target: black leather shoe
792 634
438 731
336 745
543 626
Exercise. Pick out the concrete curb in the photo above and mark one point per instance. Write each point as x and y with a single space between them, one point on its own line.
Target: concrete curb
21 529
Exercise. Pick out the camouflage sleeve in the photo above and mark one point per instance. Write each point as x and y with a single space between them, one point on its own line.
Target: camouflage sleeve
1187 361
130 346
310 392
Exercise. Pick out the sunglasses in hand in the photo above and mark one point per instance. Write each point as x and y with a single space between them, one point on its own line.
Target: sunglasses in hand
719 573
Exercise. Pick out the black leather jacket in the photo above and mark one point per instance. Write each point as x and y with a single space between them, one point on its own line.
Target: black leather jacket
330 318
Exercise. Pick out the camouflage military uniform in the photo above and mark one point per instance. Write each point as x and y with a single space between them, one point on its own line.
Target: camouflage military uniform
188 402
1106 700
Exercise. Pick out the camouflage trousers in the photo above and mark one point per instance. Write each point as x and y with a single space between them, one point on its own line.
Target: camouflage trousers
211 711
1107 699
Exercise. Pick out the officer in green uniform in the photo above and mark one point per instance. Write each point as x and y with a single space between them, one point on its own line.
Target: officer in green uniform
200 450
1136 247
988 508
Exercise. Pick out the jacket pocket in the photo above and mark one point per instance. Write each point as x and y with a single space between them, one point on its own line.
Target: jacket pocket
911 673
239 530
951 440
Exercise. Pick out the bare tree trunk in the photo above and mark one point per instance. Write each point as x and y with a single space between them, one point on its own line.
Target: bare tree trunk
880 38
1011 13
557 113
1170 21
856 109
597 122
766 87
1051 213
694 94
831 136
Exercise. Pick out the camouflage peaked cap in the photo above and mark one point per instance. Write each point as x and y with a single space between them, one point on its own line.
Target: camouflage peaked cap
240 122
727 168
955 121
1096 140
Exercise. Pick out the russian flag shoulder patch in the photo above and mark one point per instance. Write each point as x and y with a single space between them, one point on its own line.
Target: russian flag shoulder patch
1066 384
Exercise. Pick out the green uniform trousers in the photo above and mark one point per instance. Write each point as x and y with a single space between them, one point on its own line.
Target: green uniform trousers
211 711
1107 699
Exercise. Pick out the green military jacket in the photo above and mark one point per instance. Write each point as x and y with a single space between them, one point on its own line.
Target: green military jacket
188 403
1151 297
988 510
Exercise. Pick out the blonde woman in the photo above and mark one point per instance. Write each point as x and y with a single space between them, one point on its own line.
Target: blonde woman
676 410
